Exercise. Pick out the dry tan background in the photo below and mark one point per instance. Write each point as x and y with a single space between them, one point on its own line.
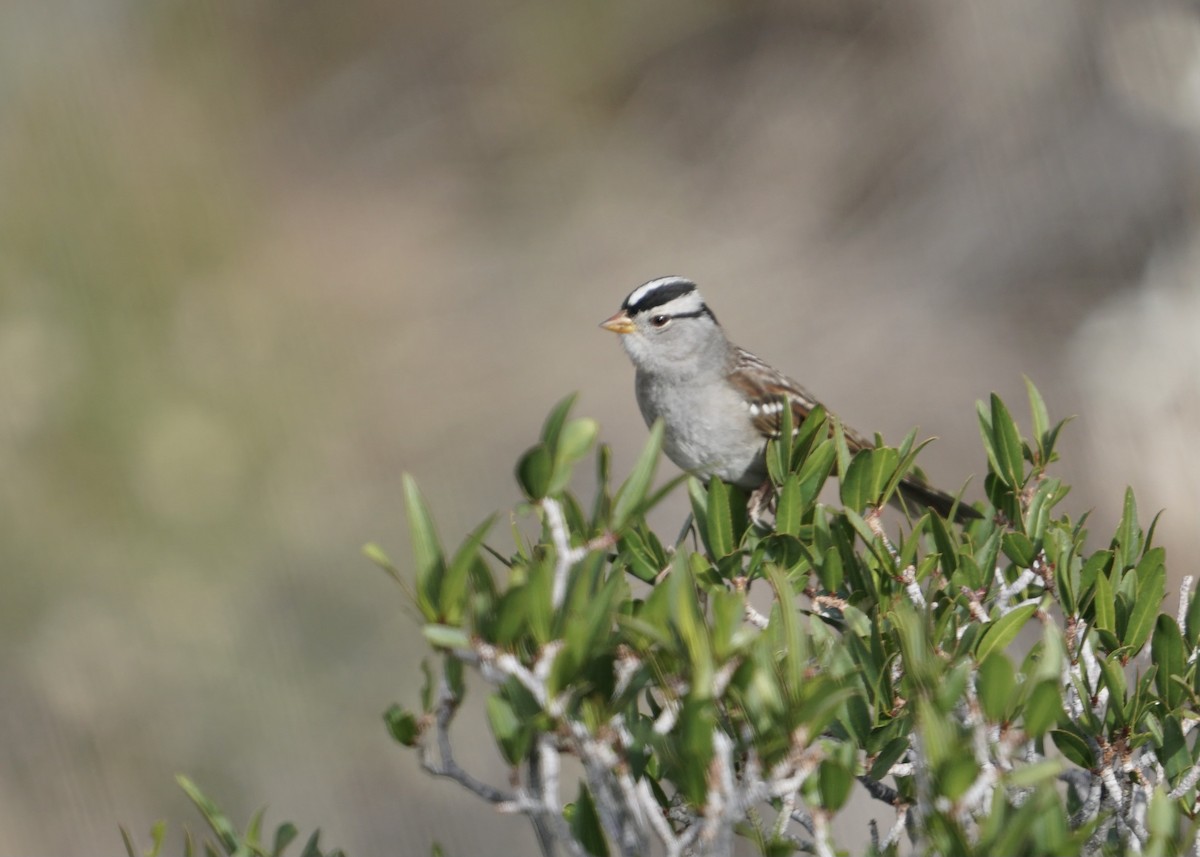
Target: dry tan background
259 258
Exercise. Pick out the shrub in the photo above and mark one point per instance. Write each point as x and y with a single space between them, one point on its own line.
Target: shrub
999 687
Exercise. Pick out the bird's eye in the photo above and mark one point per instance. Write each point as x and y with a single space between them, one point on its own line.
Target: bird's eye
660 320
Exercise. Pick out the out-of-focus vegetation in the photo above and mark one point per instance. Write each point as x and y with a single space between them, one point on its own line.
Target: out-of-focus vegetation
256 259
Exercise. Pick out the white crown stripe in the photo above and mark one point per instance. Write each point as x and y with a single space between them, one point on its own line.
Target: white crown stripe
639 294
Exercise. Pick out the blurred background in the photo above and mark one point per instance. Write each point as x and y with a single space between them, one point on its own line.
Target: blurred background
258 258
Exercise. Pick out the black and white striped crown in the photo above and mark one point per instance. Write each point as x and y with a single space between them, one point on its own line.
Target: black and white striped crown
679 292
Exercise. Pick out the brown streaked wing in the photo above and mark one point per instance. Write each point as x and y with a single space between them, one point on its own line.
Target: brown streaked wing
766 389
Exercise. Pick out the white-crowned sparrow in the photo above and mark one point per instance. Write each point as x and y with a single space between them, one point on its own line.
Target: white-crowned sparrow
718 402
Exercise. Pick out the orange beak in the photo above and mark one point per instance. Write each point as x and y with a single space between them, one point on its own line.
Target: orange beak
619 323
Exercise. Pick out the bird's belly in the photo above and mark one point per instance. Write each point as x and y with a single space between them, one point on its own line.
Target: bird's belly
708 438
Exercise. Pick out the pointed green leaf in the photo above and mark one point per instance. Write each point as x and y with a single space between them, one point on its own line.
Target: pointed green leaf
446 637
633 492
779 450
842 448
574 442
987 435
1003 631
426 686
815 471
1043 708
789 511
555 420
253 835
1018 548
534 471
402 725
221 826
452 601
131 850
427 550
1037 410
813 429
834 782
869 472
995 684
506 729
1114 680
1009 455
1166 651
285 834
720 520
586 828
1074 748
1104 604
1150 593
1129 534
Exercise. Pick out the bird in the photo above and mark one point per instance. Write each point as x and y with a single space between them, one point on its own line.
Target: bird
718 402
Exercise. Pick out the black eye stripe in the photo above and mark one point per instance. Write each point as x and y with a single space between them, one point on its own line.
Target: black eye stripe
702 311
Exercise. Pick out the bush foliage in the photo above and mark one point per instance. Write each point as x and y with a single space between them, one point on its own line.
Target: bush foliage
995 688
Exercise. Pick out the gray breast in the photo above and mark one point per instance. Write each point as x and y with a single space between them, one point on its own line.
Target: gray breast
708 431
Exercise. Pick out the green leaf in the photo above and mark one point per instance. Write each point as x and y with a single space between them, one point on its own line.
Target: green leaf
789 511
639 552
1043 708
1150 593
253 835
534 471
574 442
695 730
220 825
815 470
427 550
1104 604
1009 457
834 782
957 774
987 435
376 554
1041 417
453 595
888 756
1003 631
312 848
1129 535
1166 651
555 420
869 473
446 637
995 685
284 836
426 686
720 520
1018 548
1074 748
633 492
842 448
813 428
585 824
1163 818
1114 679
510 737
402 725
131 850
779 450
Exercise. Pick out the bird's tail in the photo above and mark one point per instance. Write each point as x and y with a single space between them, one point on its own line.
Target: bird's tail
918 492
